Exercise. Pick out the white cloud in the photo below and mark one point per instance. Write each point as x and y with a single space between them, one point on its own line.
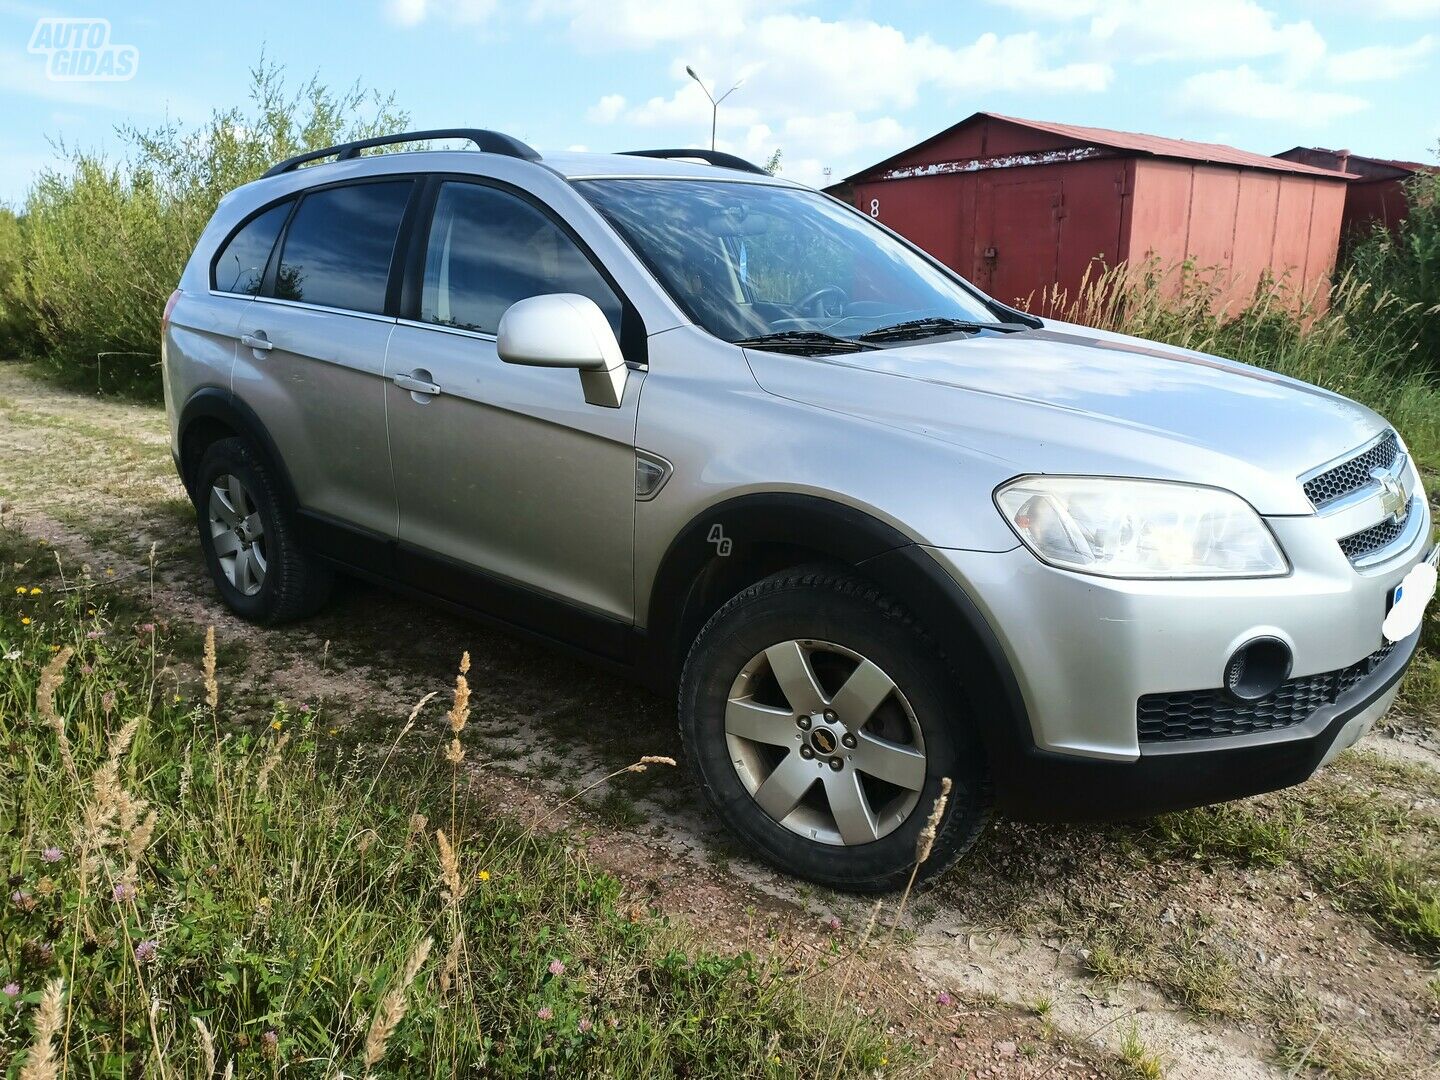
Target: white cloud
607 110
407 12
1150 30
1374 62
1051 9
825 90
646 23
1242 92
1398 9
460 12
1147 31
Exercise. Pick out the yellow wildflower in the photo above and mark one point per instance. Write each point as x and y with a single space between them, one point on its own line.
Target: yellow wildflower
36 591
19 590
109 572
484 875
276 725
25 620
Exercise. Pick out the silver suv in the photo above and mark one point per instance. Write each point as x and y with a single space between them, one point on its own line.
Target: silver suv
733 436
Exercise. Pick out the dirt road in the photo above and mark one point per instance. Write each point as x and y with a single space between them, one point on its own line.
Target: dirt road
1224 943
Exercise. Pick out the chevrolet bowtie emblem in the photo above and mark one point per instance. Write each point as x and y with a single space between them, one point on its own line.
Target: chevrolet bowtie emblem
1394 498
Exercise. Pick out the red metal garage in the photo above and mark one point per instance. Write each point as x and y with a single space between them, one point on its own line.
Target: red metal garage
1377 194
1019 206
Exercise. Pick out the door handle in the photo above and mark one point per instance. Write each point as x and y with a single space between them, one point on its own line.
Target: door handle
257 340
417 382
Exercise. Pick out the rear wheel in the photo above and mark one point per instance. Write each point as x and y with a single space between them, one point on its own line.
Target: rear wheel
821 721
249 538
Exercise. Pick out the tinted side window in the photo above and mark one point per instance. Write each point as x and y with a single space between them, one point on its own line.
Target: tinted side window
488 249
338 247
240 266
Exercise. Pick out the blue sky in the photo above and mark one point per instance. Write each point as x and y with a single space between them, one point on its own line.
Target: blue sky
836 85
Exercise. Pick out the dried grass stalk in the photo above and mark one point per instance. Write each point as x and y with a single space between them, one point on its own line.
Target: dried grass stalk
272 759
212 688
459 712
207 1046
41 1062
449 868
392 1008
51 677
932 823
450 966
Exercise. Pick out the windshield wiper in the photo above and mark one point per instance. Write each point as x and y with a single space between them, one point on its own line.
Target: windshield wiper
933 325
801 342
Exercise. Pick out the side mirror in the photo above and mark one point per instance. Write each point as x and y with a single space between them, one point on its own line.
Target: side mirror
566 330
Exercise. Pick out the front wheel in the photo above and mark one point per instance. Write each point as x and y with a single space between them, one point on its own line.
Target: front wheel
821 721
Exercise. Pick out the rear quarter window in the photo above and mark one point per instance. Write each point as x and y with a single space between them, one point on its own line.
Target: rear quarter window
338 247
240 265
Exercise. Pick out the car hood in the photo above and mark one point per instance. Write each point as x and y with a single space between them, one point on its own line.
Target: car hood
1067 399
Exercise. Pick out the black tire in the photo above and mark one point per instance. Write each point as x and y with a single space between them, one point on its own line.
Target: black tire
821 604
295 583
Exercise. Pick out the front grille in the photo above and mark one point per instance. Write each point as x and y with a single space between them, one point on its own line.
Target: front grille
1212 714
1357 545
1352 475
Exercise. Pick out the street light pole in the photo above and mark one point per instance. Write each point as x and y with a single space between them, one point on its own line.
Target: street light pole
714 101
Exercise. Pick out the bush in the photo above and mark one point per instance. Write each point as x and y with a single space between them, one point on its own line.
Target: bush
105 241
1406 265
15 338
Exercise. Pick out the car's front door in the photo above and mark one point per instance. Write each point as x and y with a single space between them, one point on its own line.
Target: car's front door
515 494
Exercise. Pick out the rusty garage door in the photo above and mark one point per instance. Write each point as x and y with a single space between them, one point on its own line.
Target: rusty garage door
1017 235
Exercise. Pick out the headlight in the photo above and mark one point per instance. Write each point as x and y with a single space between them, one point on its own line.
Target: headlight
1139 528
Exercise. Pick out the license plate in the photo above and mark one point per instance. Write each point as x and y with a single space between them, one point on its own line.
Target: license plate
1409 599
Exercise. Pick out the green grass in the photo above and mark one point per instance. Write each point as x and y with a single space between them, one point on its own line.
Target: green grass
1143 1062
1243 833
285 882
1376 857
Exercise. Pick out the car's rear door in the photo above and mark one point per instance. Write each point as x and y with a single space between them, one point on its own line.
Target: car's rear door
311 361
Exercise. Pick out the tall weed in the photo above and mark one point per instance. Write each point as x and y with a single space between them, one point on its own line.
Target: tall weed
104 240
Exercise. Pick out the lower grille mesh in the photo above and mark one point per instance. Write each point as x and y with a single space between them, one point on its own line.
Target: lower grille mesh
1372 539
1211 714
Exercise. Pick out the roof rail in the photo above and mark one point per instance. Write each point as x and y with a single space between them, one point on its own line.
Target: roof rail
711 157
491 142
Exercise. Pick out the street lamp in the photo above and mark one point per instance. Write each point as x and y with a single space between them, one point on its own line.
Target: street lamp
714 101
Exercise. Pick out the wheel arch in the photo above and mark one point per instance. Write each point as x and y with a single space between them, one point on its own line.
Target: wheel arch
735 543
212 413
769 532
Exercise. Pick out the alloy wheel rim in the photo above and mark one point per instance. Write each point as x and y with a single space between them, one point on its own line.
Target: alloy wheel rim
238 534
825 742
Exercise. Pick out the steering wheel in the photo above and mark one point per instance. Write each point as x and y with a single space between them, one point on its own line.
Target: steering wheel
813 300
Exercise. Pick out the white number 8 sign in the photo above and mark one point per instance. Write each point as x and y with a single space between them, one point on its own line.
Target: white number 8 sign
875 208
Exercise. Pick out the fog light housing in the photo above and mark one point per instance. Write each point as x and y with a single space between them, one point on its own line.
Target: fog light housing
1257 669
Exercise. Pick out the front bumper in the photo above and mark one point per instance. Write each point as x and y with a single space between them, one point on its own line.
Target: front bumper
1084 649
1046 786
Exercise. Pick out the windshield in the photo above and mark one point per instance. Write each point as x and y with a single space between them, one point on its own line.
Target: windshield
750 260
